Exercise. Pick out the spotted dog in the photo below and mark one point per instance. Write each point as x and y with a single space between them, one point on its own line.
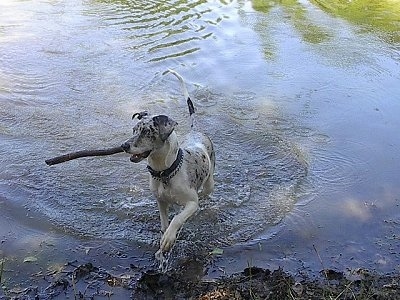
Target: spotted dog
179 173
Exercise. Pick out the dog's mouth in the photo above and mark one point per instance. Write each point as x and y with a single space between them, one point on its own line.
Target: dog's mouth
140 156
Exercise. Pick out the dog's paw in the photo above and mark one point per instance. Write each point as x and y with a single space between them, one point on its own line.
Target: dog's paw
167 240
160 256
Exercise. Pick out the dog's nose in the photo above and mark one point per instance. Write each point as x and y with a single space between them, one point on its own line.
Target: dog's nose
125 146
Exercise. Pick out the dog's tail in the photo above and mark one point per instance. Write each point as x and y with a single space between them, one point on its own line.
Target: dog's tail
186 95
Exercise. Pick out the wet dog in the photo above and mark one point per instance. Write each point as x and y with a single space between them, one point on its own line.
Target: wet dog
179 173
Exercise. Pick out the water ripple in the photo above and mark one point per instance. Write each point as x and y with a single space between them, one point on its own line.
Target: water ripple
163 30
24 88
337 170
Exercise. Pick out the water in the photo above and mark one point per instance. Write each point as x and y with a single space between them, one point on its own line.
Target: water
302 107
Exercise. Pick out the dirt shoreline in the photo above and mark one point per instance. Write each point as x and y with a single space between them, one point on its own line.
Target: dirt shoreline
89 281
36 264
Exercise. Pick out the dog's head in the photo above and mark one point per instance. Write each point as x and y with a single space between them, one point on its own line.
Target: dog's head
149 134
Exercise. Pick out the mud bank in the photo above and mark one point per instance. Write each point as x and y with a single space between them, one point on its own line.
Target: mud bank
88 281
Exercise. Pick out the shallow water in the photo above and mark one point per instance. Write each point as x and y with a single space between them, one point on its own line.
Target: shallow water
301 105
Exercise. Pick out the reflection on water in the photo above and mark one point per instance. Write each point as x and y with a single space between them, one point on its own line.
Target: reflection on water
288 94
297 13
381 16
162 30
375 16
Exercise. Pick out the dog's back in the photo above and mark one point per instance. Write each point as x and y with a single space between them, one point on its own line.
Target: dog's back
199 150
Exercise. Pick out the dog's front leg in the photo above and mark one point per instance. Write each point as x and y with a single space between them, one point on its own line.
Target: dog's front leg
163 209
169 237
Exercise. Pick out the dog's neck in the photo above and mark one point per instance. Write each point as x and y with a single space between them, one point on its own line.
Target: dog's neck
162 158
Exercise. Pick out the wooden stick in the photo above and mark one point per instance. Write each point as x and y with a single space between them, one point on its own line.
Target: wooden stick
83 153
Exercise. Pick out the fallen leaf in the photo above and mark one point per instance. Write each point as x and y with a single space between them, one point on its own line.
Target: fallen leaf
217 251
29 259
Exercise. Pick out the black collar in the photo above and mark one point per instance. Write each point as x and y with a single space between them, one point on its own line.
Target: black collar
167 174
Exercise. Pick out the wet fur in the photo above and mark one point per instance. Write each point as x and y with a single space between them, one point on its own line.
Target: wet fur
154 139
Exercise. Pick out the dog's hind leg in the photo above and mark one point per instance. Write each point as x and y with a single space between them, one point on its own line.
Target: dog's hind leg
208 186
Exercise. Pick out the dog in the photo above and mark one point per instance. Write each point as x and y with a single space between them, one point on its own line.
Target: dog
179 173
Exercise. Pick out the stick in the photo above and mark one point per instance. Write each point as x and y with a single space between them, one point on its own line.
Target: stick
83 153
321 262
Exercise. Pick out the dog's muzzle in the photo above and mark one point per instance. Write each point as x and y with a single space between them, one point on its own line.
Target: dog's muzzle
140 156
137 157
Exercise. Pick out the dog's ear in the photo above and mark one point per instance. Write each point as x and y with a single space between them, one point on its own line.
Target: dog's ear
165 126
140 115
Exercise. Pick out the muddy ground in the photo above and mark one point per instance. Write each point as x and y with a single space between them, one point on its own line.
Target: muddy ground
86 280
